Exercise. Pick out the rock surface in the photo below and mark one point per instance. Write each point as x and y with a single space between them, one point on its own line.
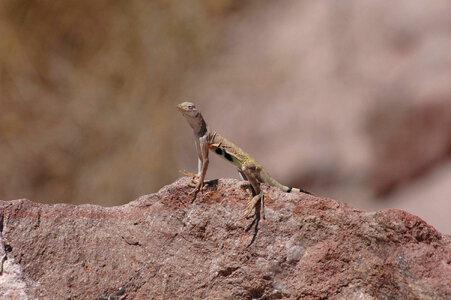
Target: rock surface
162 246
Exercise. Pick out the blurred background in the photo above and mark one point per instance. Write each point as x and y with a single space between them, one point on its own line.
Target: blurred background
349 99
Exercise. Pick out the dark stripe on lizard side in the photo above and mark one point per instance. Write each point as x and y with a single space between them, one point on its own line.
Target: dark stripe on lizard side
289 190
228 156
222 152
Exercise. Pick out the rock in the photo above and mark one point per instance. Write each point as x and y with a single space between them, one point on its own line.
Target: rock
162 246
408 142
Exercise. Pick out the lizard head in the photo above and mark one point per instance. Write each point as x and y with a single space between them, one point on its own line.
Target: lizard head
194 118
188 109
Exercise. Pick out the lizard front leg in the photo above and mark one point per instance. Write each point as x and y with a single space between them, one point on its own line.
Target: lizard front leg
251 173
202 147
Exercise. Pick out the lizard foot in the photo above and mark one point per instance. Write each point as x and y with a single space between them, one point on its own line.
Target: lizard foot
188 173
193 176
198 188
251 206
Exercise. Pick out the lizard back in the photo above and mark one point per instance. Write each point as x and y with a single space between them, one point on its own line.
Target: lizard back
230 151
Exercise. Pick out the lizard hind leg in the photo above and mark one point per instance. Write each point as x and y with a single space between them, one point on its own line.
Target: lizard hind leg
251 206
251 173
245 185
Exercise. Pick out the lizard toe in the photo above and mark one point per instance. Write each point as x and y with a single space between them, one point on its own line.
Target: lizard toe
188 173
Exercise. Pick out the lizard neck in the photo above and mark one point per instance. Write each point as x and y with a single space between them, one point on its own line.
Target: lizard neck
198 124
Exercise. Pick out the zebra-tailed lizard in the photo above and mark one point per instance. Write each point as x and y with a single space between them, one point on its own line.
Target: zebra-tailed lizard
248 168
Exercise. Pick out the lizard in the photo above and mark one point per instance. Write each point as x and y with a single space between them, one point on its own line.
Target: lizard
248 168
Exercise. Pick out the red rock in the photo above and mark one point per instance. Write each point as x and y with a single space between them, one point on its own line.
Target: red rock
163 246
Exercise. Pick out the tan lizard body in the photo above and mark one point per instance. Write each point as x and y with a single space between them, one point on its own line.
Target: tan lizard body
248 168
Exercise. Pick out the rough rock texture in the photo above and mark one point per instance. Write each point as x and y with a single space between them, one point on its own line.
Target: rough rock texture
162 246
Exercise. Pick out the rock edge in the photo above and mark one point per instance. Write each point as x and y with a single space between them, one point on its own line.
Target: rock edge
163 246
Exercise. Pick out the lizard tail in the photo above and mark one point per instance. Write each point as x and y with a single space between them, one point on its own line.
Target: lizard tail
298 190
268 179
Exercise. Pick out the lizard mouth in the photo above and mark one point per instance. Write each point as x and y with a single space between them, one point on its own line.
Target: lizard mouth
183 111
182 108
187 109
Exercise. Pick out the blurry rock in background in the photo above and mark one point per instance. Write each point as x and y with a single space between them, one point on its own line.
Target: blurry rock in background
349 99
88 90
408 142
